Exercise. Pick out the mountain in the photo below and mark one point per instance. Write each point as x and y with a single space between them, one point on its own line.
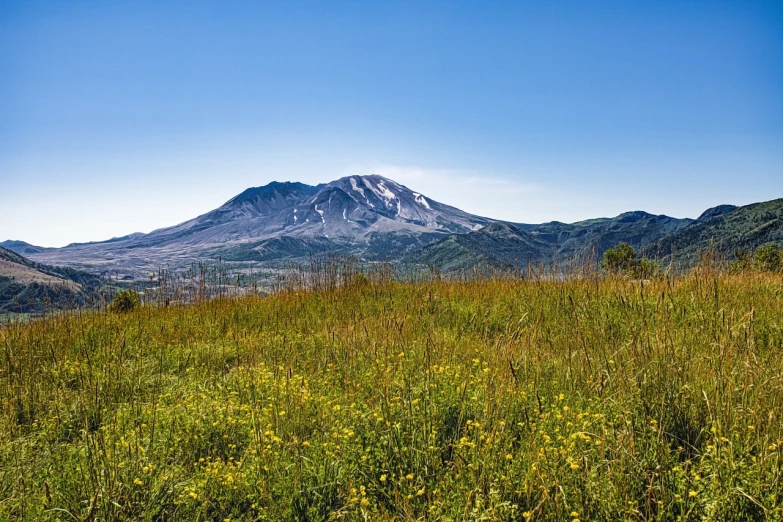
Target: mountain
22 248
724 230
27 286
375 218
715 212
502 245
514 246
638 229
370 216
351 207
112 240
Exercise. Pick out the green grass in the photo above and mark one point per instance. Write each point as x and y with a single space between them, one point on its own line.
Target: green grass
596 399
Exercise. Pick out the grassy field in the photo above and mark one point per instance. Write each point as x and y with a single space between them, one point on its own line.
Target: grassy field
593 399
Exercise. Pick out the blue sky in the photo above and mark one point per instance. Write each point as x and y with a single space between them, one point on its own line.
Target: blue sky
118 117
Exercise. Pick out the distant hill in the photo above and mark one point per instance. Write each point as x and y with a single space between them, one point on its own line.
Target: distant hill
638 229
715 212
498 244
27 286
377 219
20 247
725 230
513 246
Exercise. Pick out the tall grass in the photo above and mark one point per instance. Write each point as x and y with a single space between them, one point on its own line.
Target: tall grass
584 398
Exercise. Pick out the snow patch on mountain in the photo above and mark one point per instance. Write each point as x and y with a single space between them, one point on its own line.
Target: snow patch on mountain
381 191
356 187
421 200
384 192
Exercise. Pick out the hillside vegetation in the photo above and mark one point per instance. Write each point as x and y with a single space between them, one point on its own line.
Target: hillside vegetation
28 287
726 230
722 230
593 399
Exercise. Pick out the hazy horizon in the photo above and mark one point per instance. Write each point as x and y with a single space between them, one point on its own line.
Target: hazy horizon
119 118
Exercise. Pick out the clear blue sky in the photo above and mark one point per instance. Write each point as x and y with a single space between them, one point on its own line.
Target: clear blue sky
118 117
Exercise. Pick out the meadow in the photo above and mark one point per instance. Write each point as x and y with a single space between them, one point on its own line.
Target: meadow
595 398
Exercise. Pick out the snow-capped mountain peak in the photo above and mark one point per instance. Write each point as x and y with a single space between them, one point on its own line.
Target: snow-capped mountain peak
368 215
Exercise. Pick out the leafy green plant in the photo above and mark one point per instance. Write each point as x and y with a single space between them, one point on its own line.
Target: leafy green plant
619 258
125 301
646 269
768 258
623 259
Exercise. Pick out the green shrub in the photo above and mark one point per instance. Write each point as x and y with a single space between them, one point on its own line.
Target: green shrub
619 258
743 260
125 301
646 269
768 258
623 259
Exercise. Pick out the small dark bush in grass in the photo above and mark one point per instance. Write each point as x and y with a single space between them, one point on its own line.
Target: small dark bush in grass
743 260
646 269
619 258
623 259
125 301
768 258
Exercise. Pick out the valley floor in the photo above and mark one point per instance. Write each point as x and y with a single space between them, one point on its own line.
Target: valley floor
596 399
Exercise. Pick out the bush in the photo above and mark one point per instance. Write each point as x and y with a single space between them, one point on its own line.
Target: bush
743 260
125 301
619 258
622 259
646 269
768 258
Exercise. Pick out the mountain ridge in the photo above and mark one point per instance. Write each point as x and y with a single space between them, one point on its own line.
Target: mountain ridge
369 216
27 286
376 218
745 227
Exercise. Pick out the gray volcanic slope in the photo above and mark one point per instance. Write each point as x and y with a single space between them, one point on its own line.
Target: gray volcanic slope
369 216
